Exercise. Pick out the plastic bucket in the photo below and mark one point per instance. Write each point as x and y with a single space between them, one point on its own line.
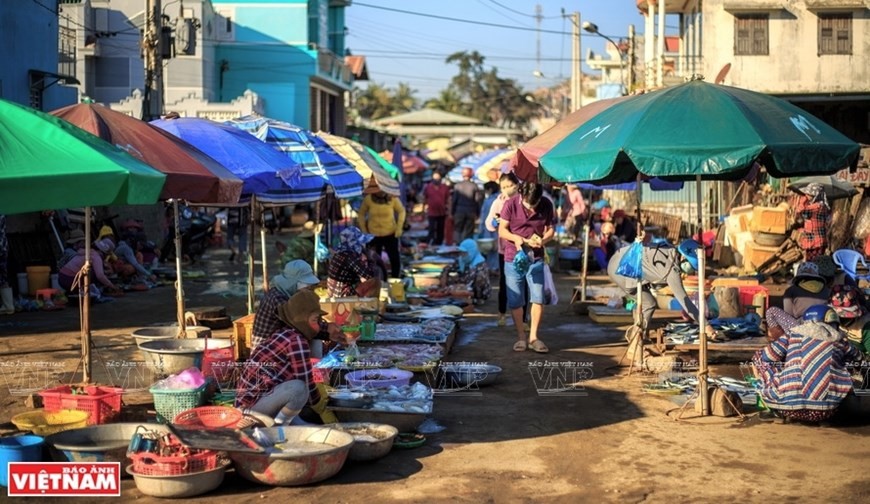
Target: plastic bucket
23 288
18 449
38 277
397 289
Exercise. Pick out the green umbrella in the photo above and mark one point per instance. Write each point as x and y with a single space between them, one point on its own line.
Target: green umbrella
46 162
699 131
386 165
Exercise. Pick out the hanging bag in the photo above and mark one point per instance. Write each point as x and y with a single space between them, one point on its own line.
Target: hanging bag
550 296
631 264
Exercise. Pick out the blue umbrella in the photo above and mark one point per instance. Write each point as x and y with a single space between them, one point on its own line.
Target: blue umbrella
260 167
321 165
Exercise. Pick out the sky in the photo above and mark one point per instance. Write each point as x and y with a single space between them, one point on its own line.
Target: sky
409 48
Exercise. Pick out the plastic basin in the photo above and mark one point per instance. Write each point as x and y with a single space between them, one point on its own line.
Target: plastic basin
309 455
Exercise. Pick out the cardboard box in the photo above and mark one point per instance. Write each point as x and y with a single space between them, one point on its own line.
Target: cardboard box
770 220
756 255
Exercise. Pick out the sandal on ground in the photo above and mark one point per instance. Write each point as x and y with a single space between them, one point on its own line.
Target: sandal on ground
520 346
538 346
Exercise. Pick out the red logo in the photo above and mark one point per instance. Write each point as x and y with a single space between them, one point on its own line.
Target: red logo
55 479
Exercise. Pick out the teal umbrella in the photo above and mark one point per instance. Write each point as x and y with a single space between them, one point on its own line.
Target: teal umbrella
46 162
699 131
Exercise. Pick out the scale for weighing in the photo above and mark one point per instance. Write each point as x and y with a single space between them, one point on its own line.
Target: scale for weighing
215 439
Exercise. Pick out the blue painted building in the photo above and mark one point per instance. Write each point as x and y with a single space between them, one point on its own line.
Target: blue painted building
289 52
34 68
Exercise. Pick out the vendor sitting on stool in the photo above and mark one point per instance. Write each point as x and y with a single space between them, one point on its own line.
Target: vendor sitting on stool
803 372
662 264
277 380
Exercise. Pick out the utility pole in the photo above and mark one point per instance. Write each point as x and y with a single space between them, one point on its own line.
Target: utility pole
630 59
539 16
152 103
576 64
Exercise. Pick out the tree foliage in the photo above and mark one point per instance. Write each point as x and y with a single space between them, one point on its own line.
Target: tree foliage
378 101
475 91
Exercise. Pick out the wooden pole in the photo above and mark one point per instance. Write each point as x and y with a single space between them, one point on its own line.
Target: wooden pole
704 396
85 298
253 224
179 290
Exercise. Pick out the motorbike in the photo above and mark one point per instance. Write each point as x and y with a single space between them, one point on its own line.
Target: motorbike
196 229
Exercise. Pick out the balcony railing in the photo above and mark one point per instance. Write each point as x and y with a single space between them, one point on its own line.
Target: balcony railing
333 67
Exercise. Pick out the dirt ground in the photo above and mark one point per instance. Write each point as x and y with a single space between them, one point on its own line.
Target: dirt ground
604 440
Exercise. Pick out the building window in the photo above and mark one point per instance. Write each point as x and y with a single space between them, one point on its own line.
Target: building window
66 54
835 33
750 34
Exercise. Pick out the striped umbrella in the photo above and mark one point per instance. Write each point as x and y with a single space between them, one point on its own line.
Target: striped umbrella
321 165
364 161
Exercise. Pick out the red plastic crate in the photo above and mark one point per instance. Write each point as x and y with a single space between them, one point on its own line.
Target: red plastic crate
747 292
103 404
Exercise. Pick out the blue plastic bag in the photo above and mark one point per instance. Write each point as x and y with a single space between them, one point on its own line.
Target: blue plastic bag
631 264
522 263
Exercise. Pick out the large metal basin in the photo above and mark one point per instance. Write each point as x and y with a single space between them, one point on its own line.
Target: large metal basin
313 454
461 375
371 441
168 332
403 421
98 443
181 485
171 356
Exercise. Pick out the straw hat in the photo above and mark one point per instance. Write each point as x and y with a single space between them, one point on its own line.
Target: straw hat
373 187
104 232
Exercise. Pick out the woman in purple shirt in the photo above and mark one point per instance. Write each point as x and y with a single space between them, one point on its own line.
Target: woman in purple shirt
526 223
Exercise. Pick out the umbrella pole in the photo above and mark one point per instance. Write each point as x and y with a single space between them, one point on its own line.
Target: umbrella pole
251 235
585 260
179 290
316 236
86 302
263 252
639 301
703 395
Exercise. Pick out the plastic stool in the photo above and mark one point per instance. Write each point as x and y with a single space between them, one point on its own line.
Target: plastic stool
45 294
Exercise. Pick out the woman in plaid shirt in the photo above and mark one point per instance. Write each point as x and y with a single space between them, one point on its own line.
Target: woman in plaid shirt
813 208
350 272
277 380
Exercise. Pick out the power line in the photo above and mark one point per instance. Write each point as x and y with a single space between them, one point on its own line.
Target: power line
502 14
505 7
459 20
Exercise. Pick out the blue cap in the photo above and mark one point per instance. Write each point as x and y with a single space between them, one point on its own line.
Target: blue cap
689 248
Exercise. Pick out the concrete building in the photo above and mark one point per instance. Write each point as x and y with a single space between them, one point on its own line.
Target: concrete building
35 70
222 59
815 53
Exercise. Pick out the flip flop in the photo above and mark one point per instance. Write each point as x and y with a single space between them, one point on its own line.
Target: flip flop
520 346
539 346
